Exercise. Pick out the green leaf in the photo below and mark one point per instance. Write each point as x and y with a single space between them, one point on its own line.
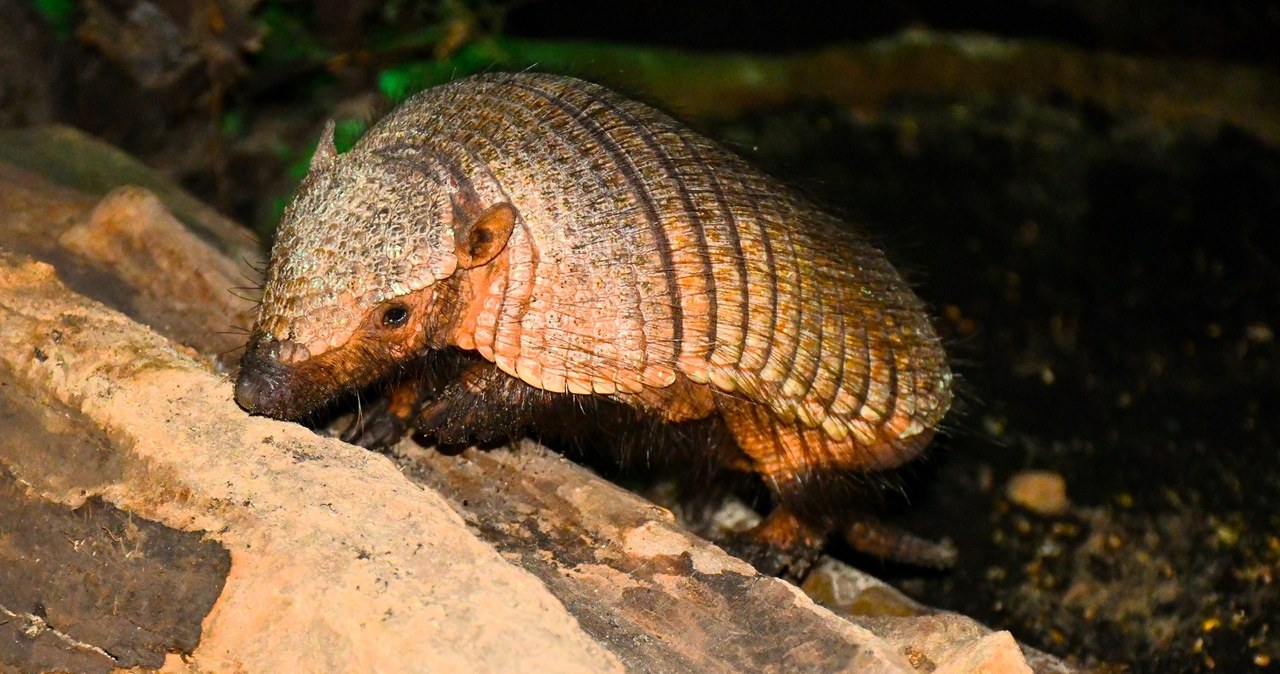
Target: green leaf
346 132
402 81
58 14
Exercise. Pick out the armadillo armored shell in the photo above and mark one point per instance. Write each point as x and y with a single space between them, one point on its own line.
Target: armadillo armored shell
643 258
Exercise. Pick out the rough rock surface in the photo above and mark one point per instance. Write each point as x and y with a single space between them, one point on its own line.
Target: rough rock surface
312 585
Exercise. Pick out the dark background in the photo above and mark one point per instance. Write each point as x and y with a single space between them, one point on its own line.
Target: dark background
1240 31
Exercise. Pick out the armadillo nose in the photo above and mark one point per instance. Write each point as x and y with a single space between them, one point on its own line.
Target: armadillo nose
249 392
258 384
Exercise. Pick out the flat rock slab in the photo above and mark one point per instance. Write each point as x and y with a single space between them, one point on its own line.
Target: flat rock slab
129 252
126 590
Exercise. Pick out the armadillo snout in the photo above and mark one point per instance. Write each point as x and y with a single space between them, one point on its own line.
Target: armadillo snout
261 387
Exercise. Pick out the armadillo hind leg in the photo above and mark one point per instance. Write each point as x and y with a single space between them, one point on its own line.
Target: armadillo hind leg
806 471
782 545
789 540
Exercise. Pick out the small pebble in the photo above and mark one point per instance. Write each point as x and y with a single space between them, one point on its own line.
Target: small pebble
1041 491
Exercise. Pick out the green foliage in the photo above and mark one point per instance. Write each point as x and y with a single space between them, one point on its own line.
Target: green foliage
297 169
346 132
278 204
58 14
399 82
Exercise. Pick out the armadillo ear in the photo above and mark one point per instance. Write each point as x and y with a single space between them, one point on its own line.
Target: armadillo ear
481 238
326 151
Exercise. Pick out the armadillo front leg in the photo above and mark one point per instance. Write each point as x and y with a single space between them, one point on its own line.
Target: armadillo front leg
482 405
385 421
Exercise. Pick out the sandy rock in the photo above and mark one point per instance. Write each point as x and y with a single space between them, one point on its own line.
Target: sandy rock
338 562
995 653
131 233
1040 491
129 252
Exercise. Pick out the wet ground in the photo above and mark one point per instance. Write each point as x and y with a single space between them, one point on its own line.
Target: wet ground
1111 293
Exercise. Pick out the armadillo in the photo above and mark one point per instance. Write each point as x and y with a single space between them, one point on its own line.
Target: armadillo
583 246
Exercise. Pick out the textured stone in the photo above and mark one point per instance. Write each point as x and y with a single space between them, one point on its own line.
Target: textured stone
995 653
337 561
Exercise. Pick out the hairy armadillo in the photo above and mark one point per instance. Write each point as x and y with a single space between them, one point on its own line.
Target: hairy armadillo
585 246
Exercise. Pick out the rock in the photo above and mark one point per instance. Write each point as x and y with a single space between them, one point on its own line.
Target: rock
995 653
182 282
1040 491
338 562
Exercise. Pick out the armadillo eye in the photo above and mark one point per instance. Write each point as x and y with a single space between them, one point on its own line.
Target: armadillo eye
395 316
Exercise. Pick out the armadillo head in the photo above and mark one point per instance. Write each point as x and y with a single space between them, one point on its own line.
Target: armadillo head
351 287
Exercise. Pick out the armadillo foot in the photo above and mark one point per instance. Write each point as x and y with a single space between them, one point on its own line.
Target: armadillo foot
782 545
384 422
374 428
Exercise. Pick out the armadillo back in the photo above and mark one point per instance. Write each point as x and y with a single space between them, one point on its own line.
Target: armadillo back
645 252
